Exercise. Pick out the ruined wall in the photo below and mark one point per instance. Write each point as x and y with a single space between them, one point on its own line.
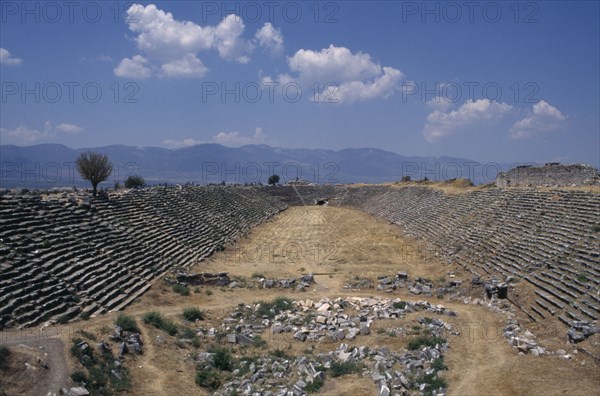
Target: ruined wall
549 175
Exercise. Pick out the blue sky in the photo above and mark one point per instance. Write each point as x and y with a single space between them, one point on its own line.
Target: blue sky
489 81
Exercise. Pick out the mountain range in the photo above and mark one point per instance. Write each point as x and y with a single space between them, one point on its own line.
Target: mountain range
52 165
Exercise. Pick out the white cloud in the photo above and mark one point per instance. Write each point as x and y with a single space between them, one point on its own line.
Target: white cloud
172 46
135 67
543 118
332 64
270 38
342 76
23 135
69 128
7 59
440 124
188 66
228 41
181 143
162 36
235 139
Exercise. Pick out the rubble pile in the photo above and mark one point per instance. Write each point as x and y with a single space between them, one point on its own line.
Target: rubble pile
408 371
325 320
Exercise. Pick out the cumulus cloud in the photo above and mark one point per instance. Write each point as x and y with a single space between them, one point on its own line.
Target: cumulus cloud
228 40
270 39
341 75
23 135
542 118
171 47
440 124
235 139
7 59
161 35
136 67
188 66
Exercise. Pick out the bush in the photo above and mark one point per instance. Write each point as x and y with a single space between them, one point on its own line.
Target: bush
438 364
127 323
338 369
187 333
423 340
223 360
278 353
192 314
134 182
79 377
157 320
78 353
85 315
208 379
4 357
399 304
273 308
273 179
596 228
181 289
582 278
315 386
259 342
432 381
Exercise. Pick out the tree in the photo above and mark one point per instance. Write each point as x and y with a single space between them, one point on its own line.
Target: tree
134 182
273 179
94 167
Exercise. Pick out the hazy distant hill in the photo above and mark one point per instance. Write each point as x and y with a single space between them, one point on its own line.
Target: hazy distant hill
51 165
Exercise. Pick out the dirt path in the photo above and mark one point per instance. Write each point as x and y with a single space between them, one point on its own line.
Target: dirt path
52 351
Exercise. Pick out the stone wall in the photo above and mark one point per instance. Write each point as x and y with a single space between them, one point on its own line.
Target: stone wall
549 175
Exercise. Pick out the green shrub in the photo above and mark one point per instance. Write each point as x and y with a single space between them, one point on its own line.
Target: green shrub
596 228
192 314
85 315
208 292
77 352
582 278
259 342
432 381
181 289
127 323
424 340
79 377
399 304
438 364
208 379
278 353
4 357
338 369
157 320
222 359
272 308
315 386
187 333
